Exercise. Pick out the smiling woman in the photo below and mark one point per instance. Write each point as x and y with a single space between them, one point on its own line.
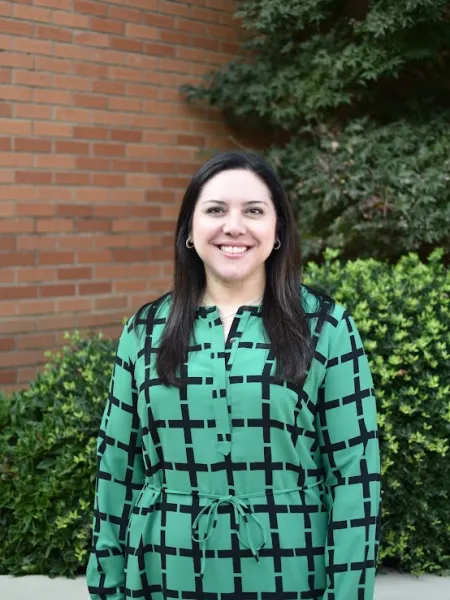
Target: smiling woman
240 429
233 233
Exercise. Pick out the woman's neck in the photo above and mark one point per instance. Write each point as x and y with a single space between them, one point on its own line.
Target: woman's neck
221 295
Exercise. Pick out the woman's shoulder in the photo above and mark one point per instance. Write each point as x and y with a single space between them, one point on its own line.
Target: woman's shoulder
148 315
322 307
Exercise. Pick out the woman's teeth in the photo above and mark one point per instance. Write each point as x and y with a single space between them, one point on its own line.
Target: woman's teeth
233 249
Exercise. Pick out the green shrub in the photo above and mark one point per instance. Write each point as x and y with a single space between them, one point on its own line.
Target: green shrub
369 190
350 99
403 314
47 461
48 433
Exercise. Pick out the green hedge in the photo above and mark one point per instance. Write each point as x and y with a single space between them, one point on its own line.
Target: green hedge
48 432
47 461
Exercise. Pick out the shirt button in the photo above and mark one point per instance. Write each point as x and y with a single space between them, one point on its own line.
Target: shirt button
232 340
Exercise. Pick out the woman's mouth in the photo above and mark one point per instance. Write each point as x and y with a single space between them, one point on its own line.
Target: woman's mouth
235 250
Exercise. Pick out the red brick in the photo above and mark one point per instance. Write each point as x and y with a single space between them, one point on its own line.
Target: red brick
51 291
156 49
57 65
106 179
109 149
72 20
92 39
19 259
126 74
88 289
86 163
90 101
127 165
125 255
125 14
100 256
111 241
54 225
35 340
9 92
36 307
7 244
158 20
5 110
7 377
32 145
161 254
175 8
65 147
145 241
36 242
19 226
92 133
92 8
53 161
32 46
141 31
52 129
109 87
74 210
108 303
7 344
33 177
59 4
111 272
16 27
129 225
74 305
51 97
107 25
176 37
5 77
32 111
33 79
67 82
126 44
15 127
72 178
126 135
53 33
93 225
56 258
75 273
190 140
19 292
130 286
35 210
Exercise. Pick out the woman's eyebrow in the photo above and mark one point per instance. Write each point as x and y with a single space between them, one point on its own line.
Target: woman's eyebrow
248 202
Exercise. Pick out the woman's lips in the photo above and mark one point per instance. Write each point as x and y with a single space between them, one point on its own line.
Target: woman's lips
233 254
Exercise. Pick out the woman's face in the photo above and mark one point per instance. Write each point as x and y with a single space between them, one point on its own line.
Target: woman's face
234 226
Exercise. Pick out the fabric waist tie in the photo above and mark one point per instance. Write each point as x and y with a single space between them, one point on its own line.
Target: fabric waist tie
243 512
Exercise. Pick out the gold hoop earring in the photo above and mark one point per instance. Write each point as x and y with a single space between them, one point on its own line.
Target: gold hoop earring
189 243
277 245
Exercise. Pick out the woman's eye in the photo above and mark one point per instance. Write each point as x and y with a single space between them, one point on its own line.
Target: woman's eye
214 210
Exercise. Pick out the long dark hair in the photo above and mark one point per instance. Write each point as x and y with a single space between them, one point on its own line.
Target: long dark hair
283 315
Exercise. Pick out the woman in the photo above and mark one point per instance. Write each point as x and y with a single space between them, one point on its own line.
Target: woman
238 453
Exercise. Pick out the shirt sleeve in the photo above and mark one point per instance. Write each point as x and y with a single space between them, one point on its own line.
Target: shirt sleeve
119 478
348 436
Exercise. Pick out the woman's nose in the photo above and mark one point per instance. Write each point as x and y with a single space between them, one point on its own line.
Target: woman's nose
234 224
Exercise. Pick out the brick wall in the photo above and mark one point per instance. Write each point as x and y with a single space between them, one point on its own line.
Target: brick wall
96 147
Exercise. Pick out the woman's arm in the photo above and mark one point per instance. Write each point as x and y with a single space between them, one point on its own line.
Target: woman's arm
119 479
346 423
